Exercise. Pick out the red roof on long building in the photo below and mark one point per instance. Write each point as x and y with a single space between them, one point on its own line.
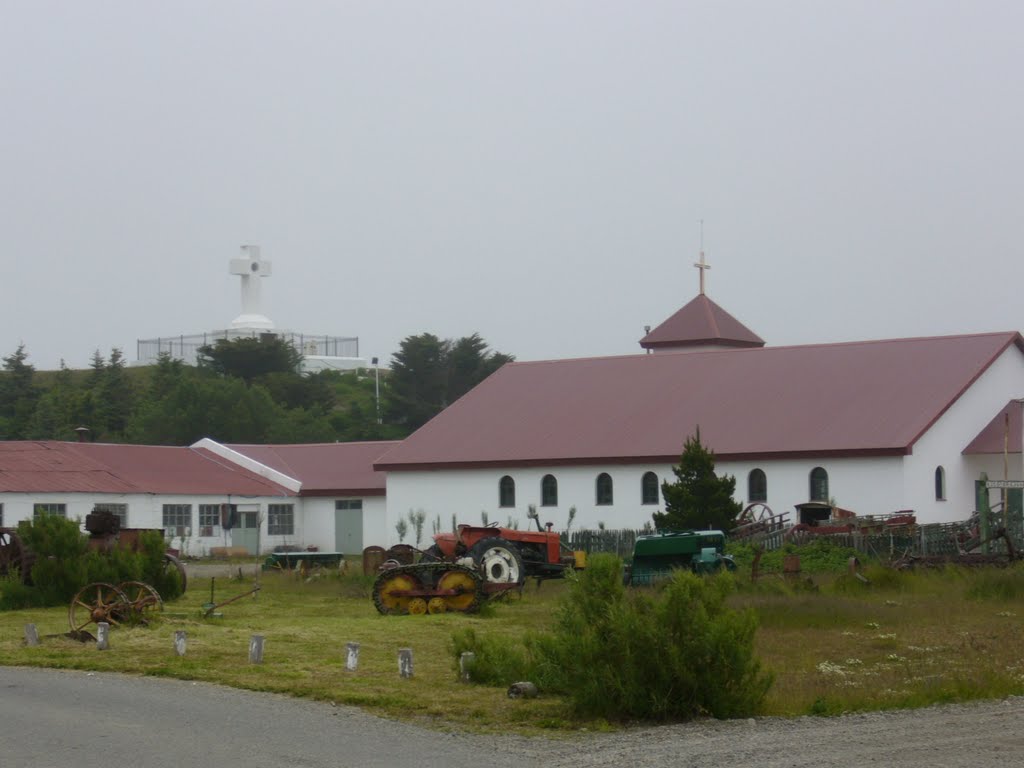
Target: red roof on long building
326 468
862 398
701 322
57 467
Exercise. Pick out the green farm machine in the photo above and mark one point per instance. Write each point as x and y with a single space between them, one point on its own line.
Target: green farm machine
656 555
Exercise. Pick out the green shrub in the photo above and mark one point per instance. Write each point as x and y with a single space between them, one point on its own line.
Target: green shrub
14 595
154 568
498 660
60 550
673 653
64 564
820 555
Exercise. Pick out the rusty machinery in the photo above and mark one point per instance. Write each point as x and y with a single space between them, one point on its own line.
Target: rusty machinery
105 533
131 602
462 569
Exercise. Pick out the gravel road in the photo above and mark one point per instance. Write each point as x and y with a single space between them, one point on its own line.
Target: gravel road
60 718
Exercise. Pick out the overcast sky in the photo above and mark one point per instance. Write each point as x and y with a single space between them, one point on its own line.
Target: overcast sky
532 171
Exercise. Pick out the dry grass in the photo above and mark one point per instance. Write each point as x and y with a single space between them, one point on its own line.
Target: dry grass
916 640
900 643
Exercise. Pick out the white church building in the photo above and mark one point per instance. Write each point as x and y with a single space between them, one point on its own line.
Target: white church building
874 427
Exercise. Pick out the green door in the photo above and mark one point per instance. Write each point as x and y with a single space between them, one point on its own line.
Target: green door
348 526
247 532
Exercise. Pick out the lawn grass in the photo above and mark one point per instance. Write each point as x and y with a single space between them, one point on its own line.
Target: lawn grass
901 641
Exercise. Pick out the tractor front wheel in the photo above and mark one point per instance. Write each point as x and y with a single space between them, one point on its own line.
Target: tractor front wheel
499 561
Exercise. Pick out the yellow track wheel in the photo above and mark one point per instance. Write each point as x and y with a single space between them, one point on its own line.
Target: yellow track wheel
389 593
417 606
437 605
465 587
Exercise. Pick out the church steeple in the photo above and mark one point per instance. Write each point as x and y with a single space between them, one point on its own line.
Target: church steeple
700 324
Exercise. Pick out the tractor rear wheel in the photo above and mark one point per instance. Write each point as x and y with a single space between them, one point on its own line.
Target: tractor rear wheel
499 561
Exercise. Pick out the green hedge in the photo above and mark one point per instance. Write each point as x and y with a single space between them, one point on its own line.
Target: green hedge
64 564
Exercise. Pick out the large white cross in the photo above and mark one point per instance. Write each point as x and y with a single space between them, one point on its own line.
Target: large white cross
701 265
251 268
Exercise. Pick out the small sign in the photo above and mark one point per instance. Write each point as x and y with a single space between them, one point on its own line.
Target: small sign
1004 483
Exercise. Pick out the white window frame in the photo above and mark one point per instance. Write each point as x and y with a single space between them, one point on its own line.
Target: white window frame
207 529
275 524
45 509
176 510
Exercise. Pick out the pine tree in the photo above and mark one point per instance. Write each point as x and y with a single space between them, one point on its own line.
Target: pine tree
698 499
18 395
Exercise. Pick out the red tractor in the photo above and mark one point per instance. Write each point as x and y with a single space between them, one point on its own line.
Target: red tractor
461 569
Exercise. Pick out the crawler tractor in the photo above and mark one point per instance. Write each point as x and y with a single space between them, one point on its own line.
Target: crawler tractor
462 569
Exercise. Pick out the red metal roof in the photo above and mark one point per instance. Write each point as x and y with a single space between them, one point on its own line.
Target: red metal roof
701 322
326 468
56 467
863 398
992 439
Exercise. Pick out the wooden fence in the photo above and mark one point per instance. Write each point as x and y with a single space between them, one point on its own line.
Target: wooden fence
618 541
916 540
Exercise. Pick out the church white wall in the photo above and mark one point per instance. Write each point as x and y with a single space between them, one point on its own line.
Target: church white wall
943 443
865 485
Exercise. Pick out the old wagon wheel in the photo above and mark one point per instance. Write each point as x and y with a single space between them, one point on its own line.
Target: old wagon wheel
755 512
143 600
12 556
173 563
95 603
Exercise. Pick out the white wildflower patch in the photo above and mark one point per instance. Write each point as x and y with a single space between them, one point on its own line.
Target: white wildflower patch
886 636
895 657
873 625
1006 614
853 662
830 668
848 633
893 603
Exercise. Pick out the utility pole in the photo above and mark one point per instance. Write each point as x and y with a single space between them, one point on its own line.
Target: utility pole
376 387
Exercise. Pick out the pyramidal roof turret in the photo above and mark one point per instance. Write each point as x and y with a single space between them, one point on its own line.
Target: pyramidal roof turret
700 324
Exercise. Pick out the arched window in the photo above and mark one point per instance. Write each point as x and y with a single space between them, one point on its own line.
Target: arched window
819 484
549 491
757 485
940 484
506 492
649 488
604 489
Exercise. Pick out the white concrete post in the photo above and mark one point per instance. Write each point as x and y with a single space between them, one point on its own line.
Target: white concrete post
466 661
31 635
405 662
256 649
102 636
180 641
352 660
